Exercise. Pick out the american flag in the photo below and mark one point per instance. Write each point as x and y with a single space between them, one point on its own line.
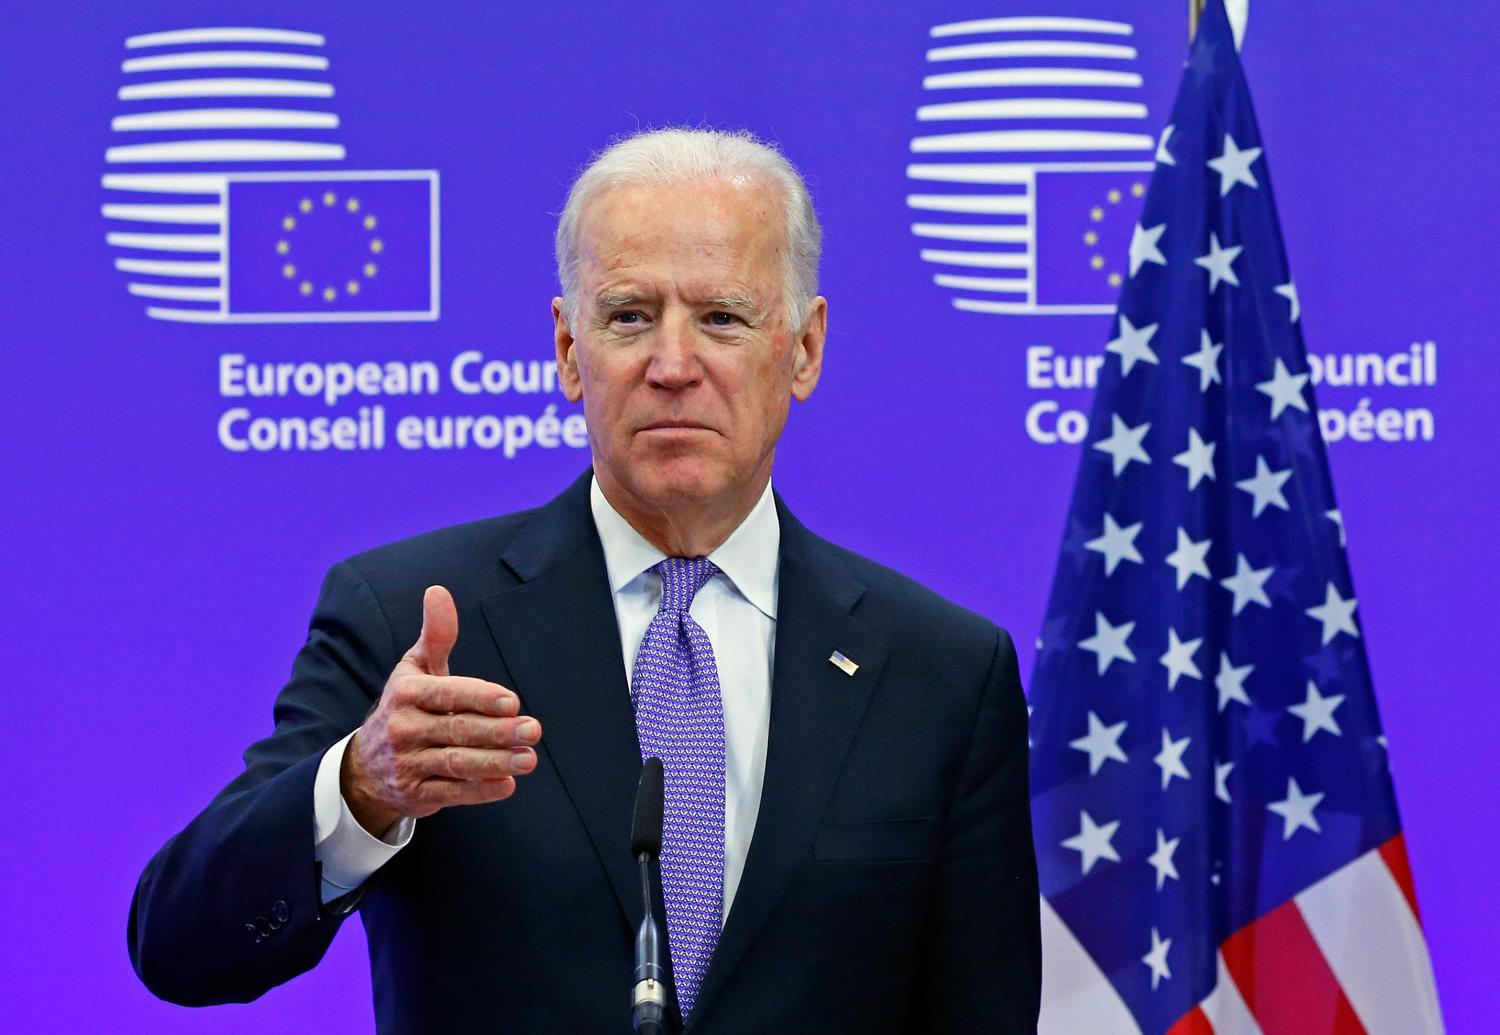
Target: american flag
1216 826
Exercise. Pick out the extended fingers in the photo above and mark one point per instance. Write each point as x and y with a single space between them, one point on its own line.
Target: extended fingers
474 764
481 731
442 792
449 694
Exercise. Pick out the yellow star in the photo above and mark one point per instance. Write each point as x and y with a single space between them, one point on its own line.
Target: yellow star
1097 262
352 287
1096 214
329 197
289 223
1114 197
305 204
1114 280
1137 189
352 204
282 247
369 269
369 222
377 246
329 294
305 287
1091 238
289 271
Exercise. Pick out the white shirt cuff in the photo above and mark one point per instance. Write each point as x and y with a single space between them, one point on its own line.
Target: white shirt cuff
347 852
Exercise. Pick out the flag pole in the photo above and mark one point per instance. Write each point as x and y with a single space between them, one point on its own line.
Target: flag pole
1195 11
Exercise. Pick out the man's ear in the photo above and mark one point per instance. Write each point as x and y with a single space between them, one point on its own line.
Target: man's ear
807 353
567 356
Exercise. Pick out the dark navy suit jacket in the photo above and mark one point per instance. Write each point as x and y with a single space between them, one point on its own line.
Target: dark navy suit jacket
890 885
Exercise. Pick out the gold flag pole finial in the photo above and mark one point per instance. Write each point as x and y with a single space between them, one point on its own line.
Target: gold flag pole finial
1195 11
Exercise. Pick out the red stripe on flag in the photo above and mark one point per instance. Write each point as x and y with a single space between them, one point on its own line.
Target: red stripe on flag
1194 1022
1284 979
1393 853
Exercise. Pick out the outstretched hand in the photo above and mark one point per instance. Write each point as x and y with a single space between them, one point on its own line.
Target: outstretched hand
435 739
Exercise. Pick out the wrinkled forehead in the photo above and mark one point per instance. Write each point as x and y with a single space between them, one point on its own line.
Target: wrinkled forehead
708 223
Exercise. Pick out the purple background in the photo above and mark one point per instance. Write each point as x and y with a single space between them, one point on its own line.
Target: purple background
158 585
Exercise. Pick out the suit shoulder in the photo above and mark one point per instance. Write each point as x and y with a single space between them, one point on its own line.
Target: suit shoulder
901 602
453 555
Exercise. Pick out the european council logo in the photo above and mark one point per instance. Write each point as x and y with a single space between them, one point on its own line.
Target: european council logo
1026 200
226 200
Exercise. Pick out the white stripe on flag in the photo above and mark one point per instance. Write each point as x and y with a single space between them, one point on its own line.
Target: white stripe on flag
1226 1009
1361 921
1076 996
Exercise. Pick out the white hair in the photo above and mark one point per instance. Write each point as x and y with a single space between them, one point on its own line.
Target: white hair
676 156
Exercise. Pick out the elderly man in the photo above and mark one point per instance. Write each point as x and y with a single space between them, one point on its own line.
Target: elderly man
847 844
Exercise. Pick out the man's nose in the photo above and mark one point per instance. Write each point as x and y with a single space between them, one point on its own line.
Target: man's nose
675 362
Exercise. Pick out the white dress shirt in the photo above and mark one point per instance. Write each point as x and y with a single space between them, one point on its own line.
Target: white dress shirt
737 610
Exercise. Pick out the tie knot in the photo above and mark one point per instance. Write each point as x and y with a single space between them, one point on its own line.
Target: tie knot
681 579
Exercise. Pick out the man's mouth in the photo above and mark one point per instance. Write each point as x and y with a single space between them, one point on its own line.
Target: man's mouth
676 425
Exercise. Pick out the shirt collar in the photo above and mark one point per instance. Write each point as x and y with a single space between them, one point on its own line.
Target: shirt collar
748 558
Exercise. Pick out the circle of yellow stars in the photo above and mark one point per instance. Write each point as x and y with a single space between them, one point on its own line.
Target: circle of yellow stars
1091 237
329 292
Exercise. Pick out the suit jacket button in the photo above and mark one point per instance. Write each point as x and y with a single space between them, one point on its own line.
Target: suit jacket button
281 911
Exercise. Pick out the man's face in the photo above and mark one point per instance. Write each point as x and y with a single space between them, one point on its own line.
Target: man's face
681 347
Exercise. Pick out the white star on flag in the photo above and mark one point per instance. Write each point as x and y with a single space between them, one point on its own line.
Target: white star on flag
1221 780
1116 544
1296 810
1337 517
1265 487
1220 263
1109 642
1143 247
1178 660
1285 389
1336 613
1161 860
1231 681
1316 713
1124 442
1092 841
1169 758
1156 959
1288 291
1189 558
1101 742
1133 344
1233 166
1247 584
1198 458
1206 359
1162 154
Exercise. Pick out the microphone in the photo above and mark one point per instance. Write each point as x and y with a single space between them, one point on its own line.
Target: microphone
648 1001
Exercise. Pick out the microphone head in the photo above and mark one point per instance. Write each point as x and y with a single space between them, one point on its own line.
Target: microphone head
650 795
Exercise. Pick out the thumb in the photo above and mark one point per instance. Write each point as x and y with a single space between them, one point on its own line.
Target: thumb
439 632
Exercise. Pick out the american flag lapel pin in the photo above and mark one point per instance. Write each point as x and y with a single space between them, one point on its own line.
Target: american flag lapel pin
843 664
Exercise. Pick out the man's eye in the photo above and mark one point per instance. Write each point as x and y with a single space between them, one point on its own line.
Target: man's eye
721 319
626 317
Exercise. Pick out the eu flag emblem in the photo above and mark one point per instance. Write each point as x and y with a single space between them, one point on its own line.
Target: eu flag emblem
331 247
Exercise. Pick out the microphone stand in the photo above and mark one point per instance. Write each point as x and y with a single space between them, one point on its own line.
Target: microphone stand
648 1000
648 1003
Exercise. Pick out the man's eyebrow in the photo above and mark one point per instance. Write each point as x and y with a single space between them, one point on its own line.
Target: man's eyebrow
609 300
738 302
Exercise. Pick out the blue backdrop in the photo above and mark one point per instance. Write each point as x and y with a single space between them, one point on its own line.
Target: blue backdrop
196 427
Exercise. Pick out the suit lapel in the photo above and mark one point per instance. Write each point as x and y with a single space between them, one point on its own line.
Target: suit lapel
557 632
815 710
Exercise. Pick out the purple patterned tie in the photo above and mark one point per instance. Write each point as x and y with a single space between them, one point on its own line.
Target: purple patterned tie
679 718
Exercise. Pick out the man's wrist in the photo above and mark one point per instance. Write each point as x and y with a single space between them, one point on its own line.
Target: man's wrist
374 815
